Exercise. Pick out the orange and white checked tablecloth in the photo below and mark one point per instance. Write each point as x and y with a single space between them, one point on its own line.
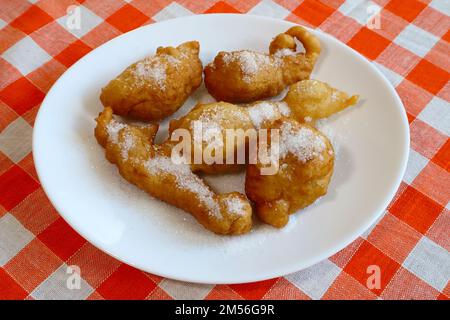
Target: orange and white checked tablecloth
410 242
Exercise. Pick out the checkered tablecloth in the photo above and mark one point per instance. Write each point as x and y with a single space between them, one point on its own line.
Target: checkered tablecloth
407 40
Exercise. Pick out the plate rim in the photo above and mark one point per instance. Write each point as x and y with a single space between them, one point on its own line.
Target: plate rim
281 270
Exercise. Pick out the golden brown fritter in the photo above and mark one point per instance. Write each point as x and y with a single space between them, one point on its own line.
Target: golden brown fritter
246 76
310 100
305 166
157 86
150 167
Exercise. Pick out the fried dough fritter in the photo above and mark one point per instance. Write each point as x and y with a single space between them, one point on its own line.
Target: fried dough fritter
310 100
246 76
157 86
305 166
150 167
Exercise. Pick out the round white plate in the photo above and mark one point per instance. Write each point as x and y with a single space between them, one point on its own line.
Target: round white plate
371 140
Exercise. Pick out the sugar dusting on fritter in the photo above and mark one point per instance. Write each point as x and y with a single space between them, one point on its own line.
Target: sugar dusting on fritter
126 145
267 111
113 129
154 69
235 205
185 179
281 53
250 62
261 112
336 138
284 108
301 142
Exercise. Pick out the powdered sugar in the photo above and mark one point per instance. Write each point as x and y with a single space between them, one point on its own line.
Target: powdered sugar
267 111
261 112
284 109
235 205
281 53
302 142
336 138
113 129
154 69
186 180
126 145
250 62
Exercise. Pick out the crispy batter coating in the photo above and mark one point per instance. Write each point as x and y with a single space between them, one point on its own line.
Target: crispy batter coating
313 99
150 167
305 167
157 86
246 76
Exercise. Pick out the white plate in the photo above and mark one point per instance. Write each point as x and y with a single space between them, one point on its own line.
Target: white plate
372 142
